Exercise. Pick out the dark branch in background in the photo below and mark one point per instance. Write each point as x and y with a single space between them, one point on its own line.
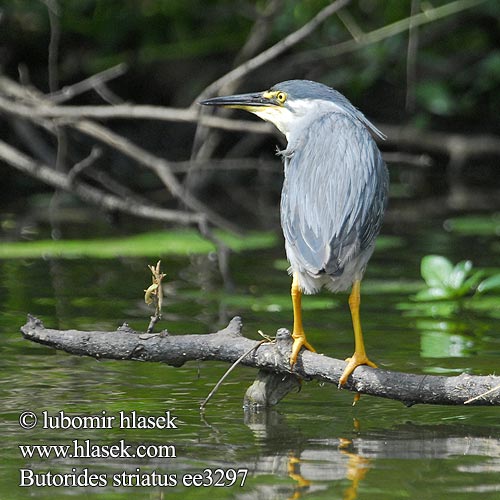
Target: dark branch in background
60 133
89 193
84 164
364 39
270 358
411 58
260 31
398 136
94 82
32 100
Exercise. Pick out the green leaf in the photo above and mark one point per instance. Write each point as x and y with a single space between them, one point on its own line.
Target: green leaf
434 294
491 283
459 273
436 270
471 283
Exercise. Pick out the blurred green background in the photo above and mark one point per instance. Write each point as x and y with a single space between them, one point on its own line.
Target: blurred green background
442 76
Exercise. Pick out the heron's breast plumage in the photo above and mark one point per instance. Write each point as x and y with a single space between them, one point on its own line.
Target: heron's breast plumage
333 199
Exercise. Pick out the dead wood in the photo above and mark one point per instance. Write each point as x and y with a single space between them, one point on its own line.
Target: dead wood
270 358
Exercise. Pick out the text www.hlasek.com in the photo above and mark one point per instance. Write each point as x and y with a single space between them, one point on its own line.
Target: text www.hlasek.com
85 449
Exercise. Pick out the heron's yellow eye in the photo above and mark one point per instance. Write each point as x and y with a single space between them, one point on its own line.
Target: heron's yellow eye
281 97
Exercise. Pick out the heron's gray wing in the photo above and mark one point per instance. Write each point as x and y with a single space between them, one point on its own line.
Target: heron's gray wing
334 194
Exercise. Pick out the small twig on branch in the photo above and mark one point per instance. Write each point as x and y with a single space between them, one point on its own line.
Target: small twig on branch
228 345
154 295
475 398
228 371
414 160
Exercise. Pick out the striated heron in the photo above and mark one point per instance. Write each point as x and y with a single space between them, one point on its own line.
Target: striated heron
334 194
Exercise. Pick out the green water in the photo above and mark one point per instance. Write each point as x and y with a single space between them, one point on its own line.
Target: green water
314 444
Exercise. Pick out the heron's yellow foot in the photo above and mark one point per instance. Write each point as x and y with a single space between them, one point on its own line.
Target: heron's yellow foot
299 341
353 362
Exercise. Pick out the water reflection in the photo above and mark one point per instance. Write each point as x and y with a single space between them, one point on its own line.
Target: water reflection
343 463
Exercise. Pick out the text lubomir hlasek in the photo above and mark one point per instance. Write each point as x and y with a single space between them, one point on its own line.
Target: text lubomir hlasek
124 420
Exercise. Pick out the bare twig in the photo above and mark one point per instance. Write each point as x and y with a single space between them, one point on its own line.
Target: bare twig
414 160
87 162
88 193
260 31
401 136
113 186
91 83
397 135
154 295
159 165
223 253
226 164
482 395
55 36
228 371
440 142
62 141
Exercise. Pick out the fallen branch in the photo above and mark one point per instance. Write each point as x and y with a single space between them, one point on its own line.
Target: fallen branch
228 345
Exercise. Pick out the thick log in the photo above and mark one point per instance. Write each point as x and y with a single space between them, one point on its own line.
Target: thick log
229 345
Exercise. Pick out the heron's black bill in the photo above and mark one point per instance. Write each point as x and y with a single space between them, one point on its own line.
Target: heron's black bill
239 101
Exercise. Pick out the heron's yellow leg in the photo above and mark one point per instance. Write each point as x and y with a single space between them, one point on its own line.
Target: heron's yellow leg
359 357
298 335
